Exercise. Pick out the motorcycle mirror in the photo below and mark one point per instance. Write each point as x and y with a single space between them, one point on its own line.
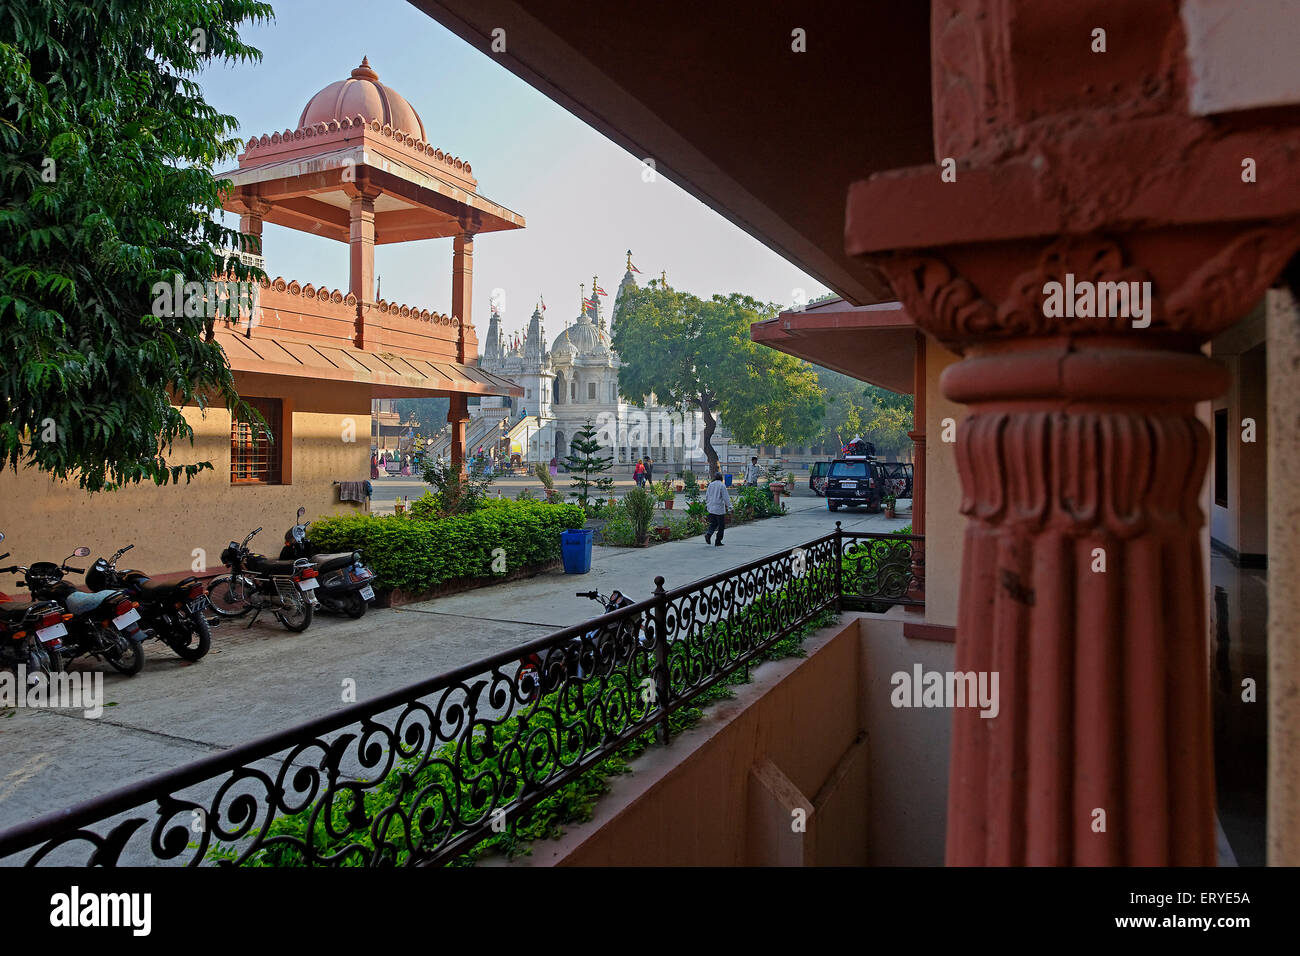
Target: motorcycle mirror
301 512
2 535
81 552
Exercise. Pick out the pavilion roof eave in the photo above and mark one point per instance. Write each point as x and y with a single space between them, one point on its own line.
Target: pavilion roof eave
389 375
489 216
874 343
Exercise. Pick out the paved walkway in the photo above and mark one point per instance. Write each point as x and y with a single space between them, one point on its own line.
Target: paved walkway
258 680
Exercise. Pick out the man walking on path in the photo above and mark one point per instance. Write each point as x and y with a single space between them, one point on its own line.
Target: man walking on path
718 503
649 470
751 472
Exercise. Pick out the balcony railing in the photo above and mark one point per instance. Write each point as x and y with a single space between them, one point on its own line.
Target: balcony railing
423 774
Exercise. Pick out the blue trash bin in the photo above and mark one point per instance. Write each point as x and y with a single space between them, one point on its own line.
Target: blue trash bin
575 548
726 480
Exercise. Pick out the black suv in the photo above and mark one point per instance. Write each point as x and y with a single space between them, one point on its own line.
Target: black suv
854 482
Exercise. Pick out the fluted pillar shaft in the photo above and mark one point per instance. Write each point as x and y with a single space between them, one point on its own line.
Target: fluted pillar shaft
1081 467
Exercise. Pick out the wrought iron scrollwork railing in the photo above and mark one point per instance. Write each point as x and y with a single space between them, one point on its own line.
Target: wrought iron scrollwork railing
882 569
423 774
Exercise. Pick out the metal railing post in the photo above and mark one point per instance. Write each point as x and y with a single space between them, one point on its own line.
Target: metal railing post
663 690
839 568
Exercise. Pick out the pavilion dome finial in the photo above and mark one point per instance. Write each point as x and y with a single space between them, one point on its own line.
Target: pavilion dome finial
362 94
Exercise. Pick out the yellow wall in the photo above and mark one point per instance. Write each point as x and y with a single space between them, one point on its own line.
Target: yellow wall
45 520
944 523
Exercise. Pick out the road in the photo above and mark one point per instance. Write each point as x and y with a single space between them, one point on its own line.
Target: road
262 679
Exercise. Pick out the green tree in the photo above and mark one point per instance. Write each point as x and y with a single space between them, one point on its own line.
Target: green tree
106 188
698 354
587 465
429 413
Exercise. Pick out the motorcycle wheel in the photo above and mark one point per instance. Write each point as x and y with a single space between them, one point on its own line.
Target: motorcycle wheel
229 597
196 640
353 604
298 618
127 656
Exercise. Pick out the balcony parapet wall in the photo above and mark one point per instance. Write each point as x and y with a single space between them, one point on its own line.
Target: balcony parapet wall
334 135
336 317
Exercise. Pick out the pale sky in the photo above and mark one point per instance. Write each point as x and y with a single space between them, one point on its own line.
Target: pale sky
583 197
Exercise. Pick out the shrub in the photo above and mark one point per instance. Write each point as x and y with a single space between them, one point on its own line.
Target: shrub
640 507
456 491
419 552
697 509
618 531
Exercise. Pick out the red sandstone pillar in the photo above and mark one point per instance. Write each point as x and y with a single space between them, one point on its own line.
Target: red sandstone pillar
1082 460
361 250
462 290
250 222
457 421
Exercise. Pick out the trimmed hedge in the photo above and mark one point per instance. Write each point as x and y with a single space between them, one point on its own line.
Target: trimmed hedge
416 554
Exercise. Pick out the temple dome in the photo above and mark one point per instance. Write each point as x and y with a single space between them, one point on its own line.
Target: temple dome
583 335
362 94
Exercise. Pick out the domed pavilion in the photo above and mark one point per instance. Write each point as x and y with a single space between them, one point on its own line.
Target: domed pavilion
358 168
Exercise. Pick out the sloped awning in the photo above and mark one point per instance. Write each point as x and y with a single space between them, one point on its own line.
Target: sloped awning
874 343
388 375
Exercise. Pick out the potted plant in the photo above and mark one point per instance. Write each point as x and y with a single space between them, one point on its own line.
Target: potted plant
888 502
640 507
664 492
663 531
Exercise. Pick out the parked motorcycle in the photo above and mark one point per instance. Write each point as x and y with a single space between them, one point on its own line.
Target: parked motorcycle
257 583
345 583
172 612
105 624
30 633
583 656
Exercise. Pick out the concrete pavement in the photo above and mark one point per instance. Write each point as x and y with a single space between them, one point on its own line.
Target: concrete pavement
262 679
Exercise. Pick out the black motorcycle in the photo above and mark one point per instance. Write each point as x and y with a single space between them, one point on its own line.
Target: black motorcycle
105 624
346 585
257 583
31 632
172 612
597 651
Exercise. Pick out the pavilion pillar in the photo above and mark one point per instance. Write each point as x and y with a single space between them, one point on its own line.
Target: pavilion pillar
250 222
462 294
361 250
457 422
462 290
1077 239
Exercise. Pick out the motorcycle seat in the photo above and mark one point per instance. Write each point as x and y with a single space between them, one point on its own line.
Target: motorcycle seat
83 602
153 592
264 565
17 610
330 562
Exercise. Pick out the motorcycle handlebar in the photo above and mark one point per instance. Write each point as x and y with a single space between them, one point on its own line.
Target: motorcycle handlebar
74 570
587 594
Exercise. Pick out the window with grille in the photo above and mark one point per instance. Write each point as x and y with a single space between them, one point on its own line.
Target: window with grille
591 391
255 448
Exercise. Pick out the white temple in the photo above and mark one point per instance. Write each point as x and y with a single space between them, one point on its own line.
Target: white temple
574 380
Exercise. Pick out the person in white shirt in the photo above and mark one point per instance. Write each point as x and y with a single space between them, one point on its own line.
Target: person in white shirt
717 502
751 472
